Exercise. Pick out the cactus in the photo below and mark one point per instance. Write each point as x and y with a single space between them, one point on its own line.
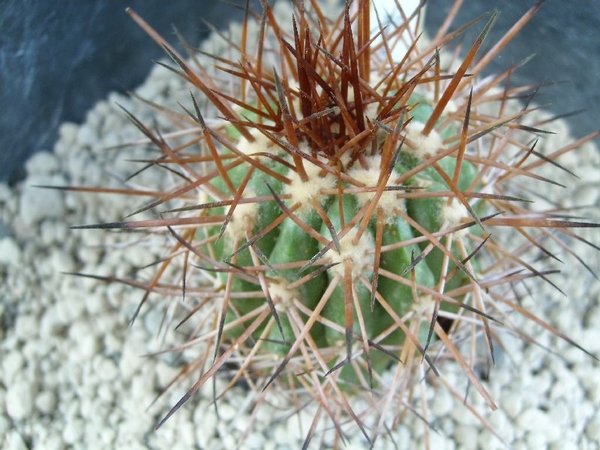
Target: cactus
334 213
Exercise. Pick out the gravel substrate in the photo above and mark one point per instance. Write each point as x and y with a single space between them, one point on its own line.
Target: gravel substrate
73 372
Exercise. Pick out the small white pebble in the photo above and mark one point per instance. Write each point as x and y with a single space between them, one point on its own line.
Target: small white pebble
45 402
107 392
26 327
592 429
86 135
68 132
536 439
10 252
50 325
105 369
511 403
226 412
205 415
38 204
54 441
443 403
19 399
70 308
73 430
440 442
42 163
14 441
6 193
533 419
466 437
95 304
61 261
165 373
130 360
142 385
228 441
255 441
12 363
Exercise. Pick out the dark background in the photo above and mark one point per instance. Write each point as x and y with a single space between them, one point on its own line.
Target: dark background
564 37
58 58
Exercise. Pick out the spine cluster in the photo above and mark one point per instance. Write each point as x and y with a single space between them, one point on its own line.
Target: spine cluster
336 208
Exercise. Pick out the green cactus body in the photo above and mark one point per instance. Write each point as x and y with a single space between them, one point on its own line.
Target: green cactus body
288 246
428 212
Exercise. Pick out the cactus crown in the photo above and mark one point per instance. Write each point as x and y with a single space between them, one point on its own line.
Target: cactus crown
338 213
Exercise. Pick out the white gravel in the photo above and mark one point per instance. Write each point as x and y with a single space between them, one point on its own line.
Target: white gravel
73 373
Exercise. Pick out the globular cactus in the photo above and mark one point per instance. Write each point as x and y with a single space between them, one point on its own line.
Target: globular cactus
335 211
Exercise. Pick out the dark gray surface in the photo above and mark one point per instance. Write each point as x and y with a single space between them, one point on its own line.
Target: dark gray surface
565 40
58 58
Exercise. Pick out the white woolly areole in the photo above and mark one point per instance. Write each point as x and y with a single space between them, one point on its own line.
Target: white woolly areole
305 193
419 145
389 201
281 295
424 305
260 144
244 214
202 197
453 214
356 253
